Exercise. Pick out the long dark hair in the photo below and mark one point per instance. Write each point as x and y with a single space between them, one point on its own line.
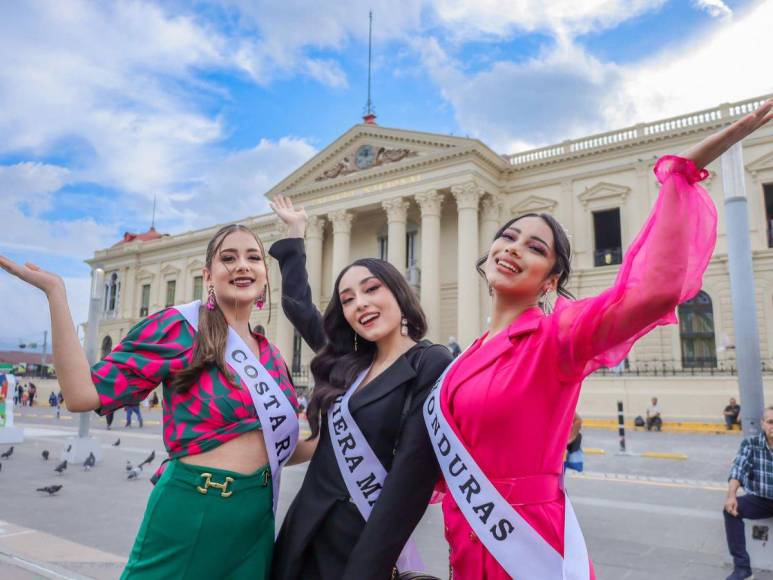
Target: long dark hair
562 248
337 365
210 341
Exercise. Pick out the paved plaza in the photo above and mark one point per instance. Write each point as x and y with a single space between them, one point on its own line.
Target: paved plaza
642 517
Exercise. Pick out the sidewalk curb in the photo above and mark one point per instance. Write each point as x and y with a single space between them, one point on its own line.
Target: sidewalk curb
45 569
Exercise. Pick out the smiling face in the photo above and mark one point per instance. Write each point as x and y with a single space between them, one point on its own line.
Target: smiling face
369 306
520 260
237 270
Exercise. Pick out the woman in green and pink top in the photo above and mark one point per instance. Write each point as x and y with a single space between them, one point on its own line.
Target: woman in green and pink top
210 514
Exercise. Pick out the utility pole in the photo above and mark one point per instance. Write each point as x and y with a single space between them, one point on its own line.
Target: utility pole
81 446
739 254
45 351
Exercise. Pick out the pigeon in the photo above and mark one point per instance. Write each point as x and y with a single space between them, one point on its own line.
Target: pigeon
61 467
69 447
90 462
50 489
44 455
117 442
129 465
149 458
8 453
134 472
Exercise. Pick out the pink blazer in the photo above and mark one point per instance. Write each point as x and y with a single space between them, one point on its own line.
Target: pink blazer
512 399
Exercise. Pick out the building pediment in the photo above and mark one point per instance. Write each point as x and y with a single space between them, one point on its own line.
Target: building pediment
760 164
605 192
368 150
533 204
169 269
195 264
144 274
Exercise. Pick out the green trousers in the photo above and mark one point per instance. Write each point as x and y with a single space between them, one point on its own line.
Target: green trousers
203 522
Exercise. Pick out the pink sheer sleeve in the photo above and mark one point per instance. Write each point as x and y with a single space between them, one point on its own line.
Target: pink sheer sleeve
662 268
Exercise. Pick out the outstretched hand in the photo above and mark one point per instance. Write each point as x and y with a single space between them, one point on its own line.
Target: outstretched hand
32 274
295 219
712 147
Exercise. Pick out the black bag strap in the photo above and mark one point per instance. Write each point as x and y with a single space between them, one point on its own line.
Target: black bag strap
408 400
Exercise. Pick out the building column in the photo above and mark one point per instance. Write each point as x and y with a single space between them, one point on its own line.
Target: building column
467 300
342 230
397 217
490 218
430 204
315 232
283 338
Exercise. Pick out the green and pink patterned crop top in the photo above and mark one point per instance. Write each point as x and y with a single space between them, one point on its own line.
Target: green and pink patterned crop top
212 412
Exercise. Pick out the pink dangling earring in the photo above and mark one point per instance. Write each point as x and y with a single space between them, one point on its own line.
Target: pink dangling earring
261 301
211 299
404 326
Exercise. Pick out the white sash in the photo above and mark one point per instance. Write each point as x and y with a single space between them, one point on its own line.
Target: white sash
518 547
275 412
361 469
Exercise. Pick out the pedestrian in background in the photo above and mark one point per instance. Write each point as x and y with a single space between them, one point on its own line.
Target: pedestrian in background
732 414
454 347
133 410
752 469
653 416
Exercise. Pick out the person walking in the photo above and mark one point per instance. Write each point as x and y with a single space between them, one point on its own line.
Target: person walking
500 417
372 475
211 512
133 410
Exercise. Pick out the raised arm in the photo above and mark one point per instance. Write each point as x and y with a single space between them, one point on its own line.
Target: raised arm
662 268
72 368
296 293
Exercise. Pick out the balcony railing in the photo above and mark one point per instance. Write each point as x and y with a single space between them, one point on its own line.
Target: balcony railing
723 365
641 132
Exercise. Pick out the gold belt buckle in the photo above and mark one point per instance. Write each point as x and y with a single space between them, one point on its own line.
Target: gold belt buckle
223 487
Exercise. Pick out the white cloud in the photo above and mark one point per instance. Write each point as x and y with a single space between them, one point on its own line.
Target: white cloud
714 8
565 18
565 92
730 63
25 313
233 187
512 106
26 191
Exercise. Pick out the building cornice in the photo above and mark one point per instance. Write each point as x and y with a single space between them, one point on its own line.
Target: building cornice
636 135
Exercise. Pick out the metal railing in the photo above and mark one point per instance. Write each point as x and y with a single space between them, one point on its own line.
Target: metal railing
643 131
724 365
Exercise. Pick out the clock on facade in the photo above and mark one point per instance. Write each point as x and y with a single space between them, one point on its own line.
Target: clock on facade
365 156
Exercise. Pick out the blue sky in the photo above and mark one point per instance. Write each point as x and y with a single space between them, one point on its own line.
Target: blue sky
207 104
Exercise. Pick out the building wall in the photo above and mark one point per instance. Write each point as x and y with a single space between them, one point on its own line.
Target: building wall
570 188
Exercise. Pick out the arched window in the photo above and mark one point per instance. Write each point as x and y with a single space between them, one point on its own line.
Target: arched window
696 331
107 346
111 293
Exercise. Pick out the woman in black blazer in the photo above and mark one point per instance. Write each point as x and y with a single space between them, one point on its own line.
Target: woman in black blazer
323 535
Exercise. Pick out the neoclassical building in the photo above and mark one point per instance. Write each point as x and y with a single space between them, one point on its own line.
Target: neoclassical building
430 204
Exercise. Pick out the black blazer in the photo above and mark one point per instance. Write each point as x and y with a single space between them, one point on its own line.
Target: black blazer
323 534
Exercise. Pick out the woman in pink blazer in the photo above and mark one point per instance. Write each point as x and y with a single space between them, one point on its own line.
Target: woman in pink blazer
510 398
